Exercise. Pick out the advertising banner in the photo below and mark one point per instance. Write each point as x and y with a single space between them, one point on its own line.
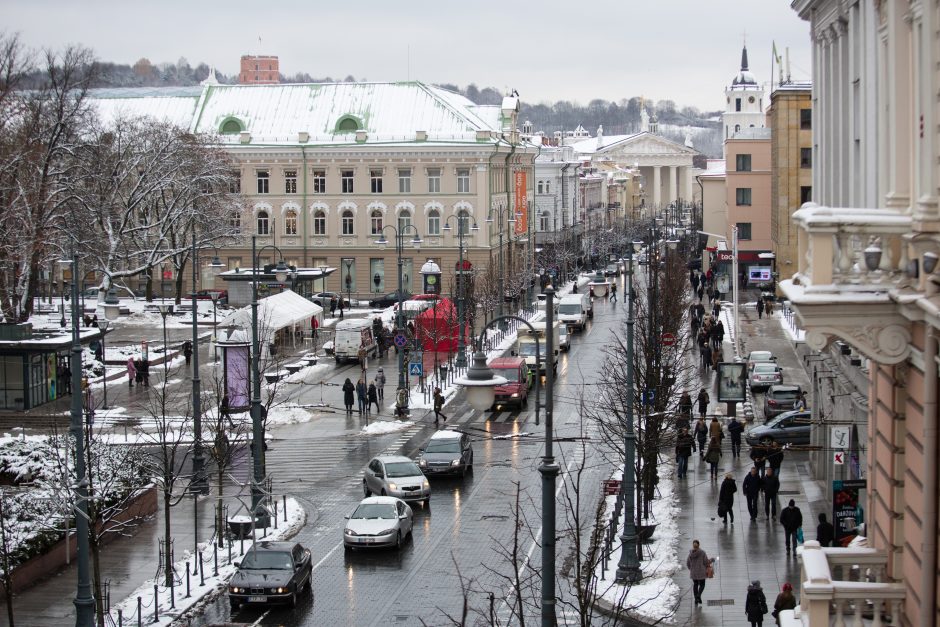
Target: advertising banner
236 376
847 512
732 382
522 201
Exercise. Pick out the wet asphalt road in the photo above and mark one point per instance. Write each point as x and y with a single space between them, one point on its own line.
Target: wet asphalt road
470 523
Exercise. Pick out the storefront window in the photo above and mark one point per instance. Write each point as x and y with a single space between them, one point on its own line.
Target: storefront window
377 275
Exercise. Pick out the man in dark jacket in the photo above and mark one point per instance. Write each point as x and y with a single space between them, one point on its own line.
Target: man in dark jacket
775 458
751 489
770 485
726 498
825 533
684 445
759 457
792 519
734 430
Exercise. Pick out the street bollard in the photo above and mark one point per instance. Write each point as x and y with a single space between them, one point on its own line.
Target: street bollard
241 544
156 603
215 559
187 581
284 498
120 618
230 552
202 571
140 612
173 591
275 514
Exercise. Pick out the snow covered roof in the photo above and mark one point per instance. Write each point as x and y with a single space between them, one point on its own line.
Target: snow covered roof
275 312
323 113
593 144
714 168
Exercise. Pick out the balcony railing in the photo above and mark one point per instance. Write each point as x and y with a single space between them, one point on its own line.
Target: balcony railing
858 598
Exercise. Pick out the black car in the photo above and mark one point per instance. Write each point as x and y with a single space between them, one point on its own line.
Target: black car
271 572
388 300
447 453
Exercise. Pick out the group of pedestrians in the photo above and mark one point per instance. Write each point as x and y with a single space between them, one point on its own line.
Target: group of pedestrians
366 395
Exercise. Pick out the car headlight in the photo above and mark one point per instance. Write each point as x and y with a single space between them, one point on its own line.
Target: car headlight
392 486
387 531
280 590
349 532
515 395
422 462
236 589
456 462
427 485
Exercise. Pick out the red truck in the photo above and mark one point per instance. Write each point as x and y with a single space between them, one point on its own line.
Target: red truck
516 390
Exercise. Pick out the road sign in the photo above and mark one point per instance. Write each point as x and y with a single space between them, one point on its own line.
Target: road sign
401 340
668 339
416 369
838 458
840 436
648 396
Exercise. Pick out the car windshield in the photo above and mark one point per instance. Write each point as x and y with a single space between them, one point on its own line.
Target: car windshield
267 560
760 356
527 349
401 469
450 445
510 374
570 308
375 510
765 369
785 395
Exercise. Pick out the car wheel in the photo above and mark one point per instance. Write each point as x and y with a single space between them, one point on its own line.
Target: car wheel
398 541
309 583
365 489
525 402
347 548
293 601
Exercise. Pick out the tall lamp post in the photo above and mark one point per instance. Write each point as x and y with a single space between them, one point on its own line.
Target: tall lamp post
214 295
461 285
84 600
628 569
481 382
200 483
103 325
257 425
164 311
502 266
416 242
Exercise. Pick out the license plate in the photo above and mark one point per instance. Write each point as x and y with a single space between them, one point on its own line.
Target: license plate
257 599
367 540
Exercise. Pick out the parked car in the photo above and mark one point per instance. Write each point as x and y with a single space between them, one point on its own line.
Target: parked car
759 356
90 292
207 295
381 302
781 398
271 572
323 299
764 374
398 476
612 269
447 453
564 337
378 521
792 427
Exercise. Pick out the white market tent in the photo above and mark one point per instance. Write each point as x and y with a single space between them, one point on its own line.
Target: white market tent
287 310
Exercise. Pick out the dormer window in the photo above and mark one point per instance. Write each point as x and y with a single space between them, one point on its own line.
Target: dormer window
231 126
348 124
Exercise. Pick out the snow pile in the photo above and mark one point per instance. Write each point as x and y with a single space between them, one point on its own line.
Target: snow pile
381 427
214 584
654 598
287 415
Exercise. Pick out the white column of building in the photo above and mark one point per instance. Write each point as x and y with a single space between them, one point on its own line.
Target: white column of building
688 189
673 184
657 186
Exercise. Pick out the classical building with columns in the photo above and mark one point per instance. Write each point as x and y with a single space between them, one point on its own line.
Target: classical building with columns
866 277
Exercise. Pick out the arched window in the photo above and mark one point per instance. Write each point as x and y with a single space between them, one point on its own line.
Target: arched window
319 223
231 127
544 220
463 222
737 128
262 223
547 190
540 187
290 222
236 223
434 222
348 223
404 219
376 222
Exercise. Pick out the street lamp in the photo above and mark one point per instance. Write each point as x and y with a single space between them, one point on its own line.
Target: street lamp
481 382
164 311
399 248
103 324
214 295
84 599
628 568
62 298
461 285
200 483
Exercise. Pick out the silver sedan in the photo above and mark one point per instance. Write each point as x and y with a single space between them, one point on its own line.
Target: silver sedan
378 521
764 374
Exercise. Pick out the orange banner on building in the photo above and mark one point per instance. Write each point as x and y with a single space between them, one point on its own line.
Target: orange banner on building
522 202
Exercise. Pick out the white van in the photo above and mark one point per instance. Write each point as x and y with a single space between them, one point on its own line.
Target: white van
350 336
574 310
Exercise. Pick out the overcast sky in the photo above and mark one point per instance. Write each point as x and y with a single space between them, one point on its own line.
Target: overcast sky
683 50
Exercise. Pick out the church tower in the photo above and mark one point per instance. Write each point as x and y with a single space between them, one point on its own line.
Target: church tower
745 102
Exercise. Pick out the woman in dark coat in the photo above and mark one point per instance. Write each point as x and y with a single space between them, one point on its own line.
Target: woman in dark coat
349 395
703 400
755 606
373 397
785 601
726 498
713 456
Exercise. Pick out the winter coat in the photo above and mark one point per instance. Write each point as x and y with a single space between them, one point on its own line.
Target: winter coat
713 454
775 458
131 369
755 606
785 601
361 391
348 390
684 444
734 430
771 486
791 518
373 394
697 562
703 400
380 380
751 485
760 305
726 493
701 432
825 533
438 401
759 456
714 429
685 404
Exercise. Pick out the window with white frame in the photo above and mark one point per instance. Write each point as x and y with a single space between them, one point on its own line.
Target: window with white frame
463 222
404 219
290 181
264 179
236 222
290 222
349 222
547 187
375 180
540 187
319 181
463 180
404 180
434 222
545 221
376 221
319 223
263 223
347 180
434 180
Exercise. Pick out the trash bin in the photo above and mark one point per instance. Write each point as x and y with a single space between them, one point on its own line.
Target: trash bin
443 372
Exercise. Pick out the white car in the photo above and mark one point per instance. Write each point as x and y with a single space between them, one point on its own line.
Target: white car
378 521
398 476
764 374
755 357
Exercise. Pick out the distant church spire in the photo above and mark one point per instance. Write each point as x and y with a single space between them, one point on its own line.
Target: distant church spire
744 59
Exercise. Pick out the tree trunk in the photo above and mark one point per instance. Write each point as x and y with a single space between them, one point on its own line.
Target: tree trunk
220 521
168 554
180 273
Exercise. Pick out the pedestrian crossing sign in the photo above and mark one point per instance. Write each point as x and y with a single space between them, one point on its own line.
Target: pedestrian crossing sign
416 369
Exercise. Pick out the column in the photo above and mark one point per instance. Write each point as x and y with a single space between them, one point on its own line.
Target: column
673 183
690 190
657 186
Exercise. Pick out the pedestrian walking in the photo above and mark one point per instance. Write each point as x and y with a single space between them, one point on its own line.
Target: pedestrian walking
707 356
703 400
139 371
755 604
333 307
131 372
438 406
801 401
792 519
701 293
759 457
341 308
769 307
700 310
717 355
693 279
714 429
363 360
349 391
713 456
735 429
373 396
314 326
362 395
785 601
684 447
720 328
701 434
825 532
613 293
726 498
188 351
771 486
685 405
380 384
145 371
775 458
751 487
700 569
760 308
